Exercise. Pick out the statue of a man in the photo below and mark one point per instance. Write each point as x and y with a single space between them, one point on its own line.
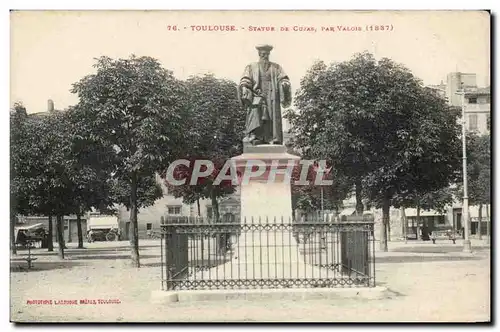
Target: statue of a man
264 88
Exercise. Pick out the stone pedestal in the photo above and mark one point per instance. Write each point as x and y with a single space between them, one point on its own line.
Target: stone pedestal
269 253
262 199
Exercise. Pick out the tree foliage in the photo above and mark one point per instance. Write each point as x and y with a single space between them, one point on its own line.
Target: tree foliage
216 129
42 176
478 170
308 197
19 203
148 191
380 128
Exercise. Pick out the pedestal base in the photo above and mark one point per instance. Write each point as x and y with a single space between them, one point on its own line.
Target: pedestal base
267 254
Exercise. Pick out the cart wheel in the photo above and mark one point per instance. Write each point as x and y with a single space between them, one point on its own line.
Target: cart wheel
111 236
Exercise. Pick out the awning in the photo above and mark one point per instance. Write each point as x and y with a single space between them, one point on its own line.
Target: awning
348 212
423 213
26 228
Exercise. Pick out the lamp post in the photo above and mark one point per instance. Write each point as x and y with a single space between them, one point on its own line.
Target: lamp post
465 205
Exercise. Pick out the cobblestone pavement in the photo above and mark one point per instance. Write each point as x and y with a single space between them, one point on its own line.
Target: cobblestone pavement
428 282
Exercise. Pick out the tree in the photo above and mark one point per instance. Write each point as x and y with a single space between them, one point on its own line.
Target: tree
137 108
30 191
422 156
89 165
380 128
217 125
332 107
478 173
55 142
18 193
43 177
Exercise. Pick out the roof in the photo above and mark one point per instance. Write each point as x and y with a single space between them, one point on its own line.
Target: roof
29 227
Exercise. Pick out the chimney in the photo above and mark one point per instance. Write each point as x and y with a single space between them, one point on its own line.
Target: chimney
50 106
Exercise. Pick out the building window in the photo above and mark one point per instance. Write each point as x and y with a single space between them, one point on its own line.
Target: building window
473 100
174 210
149 226
209 211
472 121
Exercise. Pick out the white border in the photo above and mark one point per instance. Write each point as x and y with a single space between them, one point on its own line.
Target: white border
185 4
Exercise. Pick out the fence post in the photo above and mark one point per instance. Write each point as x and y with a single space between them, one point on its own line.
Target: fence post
161 256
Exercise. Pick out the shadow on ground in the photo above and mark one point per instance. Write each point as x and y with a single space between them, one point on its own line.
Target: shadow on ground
22 266
423 259
106 256
204 264
438 249
155 264
76 251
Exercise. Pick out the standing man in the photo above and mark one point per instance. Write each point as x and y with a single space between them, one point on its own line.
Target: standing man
264 88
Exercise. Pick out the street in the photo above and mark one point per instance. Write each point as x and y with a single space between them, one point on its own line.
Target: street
428 282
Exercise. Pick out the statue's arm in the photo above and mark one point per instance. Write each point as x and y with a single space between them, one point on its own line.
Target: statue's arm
285 88
246 78
245 86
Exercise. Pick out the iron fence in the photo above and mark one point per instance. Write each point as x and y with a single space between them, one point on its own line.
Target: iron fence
263 254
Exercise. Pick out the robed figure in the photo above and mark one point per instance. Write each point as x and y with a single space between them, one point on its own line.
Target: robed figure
264 88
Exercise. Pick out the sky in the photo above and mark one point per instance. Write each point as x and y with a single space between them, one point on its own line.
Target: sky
51 50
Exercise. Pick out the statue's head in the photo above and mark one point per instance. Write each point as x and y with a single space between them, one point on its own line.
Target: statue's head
264 51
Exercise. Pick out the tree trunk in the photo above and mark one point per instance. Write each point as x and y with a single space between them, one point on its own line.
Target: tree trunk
405 224
389 229
359 199
60 236
488 225
479 221
79 229
215 207
383 227
418 219
134 239
50 244
198 205
13 233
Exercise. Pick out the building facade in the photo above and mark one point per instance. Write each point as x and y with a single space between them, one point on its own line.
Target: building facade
477 100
